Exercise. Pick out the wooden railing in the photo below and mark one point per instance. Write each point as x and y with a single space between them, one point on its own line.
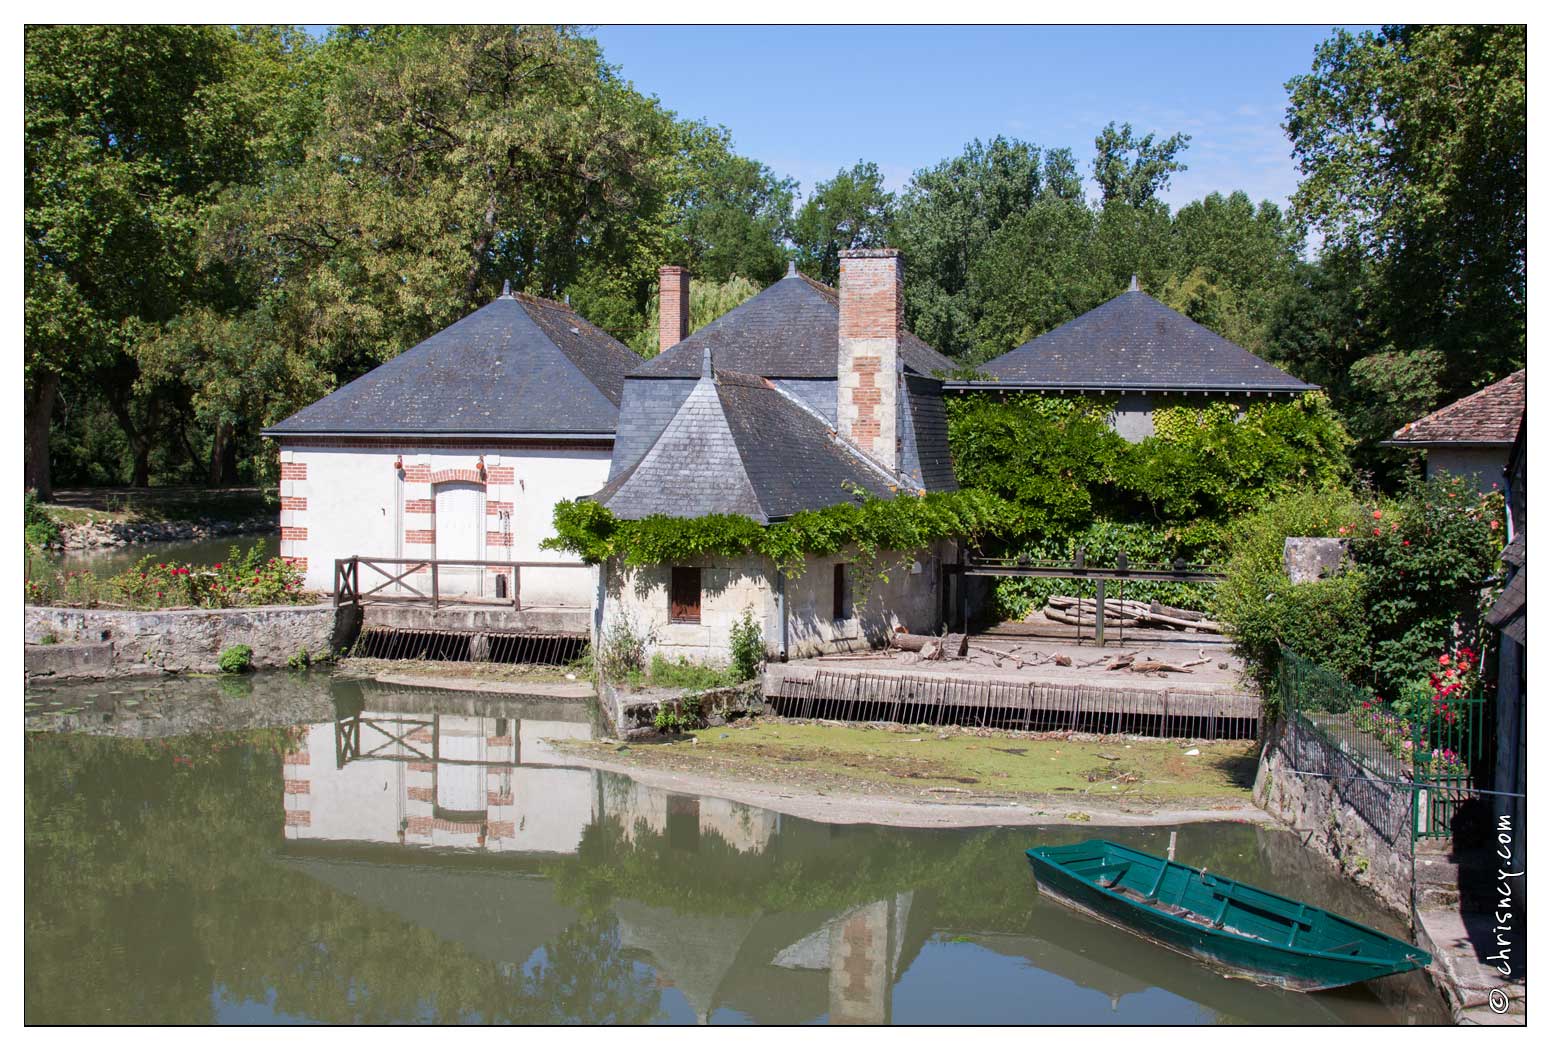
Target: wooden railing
347 578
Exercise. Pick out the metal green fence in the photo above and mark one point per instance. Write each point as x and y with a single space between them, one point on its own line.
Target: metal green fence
1438 748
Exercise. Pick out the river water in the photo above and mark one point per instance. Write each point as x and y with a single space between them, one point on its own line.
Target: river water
106 561
303 848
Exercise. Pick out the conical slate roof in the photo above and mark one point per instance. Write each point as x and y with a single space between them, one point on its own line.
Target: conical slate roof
740 445
791 330
518 366
1135 343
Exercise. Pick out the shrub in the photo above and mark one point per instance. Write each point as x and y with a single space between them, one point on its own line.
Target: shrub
679 715
748 647
243 579
622 651
236 659
685 674
40 529
1323 620
299 661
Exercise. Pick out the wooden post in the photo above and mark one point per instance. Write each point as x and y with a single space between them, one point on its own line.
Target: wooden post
516 587
1174 835
436 594
1098 612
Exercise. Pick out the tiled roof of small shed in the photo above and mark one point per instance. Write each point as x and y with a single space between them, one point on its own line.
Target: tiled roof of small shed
738 445
791 330
1490 416
1135 343
519 365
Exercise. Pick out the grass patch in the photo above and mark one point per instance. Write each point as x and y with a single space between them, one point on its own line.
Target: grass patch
178 503
367 667
1098 770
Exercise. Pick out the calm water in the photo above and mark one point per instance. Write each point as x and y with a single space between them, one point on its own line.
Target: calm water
301 849
106 561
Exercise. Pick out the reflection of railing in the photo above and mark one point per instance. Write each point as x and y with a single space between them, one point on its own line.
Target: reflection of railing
1437 748
347 579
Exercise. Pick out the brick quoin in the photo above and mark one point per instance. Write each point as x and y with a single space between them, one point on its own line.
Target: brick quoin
499 742
495 507
419 826
501 475
498 540
672 306
417 472
420 507
297 788
422 795
293 532
298 818
296 759
293 503
498 799
295 562
502 830
421 767
296 472
421 735
419 536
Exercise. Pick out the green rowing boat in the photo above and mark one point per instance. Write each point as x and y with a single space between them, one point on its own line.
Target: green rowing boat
1245 931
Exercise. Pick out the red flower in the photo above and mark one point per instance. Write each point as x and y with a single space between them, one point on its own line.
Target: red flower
1376 532
1405 543
218 565
1377 515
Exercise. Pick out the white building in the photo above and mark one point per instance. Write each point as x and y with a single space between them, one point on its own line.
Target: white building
458 449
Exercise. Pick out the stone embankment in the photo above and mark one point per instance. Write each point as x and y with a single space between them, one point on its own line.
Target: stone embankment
92 535
97 643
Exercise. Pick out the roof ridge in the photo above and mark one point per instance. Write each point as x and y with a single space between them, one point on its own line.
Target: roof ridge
529 297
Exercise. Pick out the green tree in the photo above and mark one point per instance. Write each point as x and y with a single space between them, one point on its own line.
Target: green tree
852 210
948 214
1134 170
733 213
1412 146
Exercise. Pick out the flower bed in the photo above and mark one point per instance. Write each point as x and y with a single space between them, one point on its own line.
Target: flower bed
242 579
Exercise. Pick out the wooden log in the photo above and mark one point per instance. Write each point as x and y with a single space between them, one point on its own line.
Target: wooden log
1143 667
1176 612
902 640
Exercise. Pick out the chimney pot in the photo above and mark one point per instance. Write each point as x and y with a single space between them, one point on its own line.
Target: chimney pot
672 306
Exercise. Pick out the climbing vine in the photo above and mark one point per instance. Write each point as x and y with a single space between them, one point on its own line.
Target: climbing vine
871 526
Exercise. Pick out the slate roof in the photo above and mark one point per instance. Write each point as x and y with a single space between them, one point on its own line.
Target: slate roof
517 366
740 445
791 330
1490 416
1134 343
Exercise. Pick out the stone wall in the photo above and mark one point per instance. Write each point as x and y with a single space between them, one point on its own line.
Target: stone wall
1360 824
146 642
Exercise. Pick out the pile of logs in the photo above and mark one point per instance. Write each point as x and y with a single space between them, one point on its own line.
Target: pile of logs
1065 609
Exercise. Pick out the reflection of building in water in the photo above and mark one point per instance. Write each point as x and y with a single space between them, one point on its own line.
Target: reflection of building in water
441 781
685 819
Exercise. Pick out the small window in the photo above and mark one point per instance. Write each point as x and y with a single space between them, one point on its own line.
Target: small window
684 596
842 593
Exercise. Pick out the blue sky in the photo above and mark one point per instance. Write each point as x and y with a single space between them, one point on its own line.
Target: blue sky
808 101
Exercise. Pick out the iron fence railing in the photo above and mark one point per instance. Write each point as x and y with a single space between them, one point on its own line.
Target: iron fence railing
1439 748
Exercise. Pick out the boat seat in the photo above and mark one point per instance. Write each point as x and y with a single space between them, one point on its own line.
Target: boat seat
1119 869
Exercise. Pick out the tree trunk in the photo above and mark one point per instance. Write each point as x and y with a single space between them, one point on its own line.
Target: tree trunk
40 415
215 473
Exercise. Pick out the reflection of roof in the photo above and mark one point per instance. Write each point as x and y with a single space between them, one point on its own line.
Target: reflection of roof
738 445
694 951
790 330
516 366
1490 416
493 913
1135 343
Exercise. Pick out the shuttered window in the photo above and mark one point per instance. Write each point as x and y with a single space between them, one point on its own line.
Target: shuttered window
684 596
842 593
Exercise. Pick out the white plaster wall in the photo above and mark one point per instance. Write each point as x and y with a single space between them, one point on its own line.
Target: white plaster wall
1132 418
355 505
909 597
1483 467
359 802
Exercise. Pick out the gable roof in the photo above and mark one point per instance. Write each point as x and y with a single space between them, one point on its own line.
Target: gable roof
1490 416
740 445
1134 343
517 366
791 330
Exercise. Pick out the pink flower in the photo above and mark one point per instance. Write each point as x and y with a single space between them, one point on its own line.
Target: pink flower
1494 523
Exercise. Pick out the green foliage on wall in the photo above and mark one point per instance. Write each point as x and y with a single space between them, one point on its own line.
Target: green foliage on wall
872 526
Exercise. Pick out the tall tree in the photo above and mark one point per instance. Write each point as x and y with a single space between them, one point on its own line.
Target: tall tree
1134 170
1412 144
732 213
852 210
948 215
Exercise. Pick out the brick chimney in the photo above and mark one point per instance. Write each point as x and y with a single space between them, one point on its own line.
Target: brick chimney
872 314
672 306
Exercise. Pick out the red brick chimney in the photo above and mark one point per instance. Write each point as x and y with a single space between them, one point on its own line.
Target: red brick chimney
672 306
872 315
